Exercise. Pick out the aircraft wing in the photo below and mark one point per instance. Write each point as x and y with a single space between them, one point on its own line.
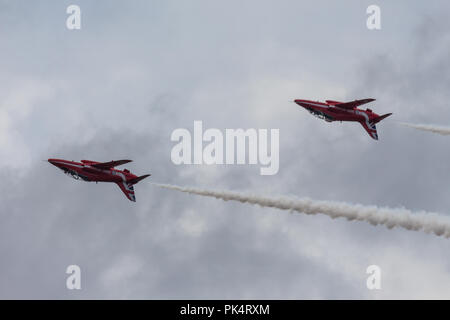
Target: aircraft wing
110 164
128 190
353 104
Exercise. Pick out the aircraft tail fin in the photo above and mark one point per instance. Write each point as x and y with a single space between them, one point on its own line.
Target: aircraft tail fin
136 180
378 119
371 129
128 190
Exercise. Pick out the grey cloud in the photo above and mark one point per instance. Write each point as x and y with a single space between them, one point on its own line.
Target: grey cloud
136 72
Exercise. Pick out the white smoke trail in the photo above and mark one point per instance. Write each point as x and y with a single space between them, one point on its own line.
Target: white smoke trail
389 217
445 131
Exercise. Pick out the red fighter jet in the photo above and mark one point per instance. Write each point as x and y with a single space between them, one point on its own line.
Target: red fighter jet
345 111
101 172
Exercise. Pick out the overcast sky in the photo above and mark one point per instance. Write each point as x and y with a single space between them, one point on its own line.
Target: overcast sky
136 71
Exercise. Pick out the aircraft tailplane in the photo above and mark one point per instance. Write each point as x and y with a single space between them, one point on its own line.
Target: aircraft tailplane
378 119
136 180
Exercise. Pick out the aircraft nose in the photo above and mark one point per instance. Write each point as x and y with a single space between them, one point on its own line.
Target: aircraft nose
52 161
299 102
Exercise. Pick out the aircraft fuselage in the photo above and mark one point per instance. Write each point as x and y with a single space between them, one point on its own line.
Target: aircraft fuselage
84 171
334 113
345 111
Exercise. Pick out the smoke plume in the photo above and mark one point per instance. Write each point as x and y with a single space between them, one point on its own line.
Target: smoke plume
445 131
389 217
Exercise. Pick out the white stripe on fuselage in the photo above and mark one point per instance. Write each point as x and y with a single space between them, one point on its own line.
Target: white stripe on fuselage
124 181
316 104
366 117
120 174
319 104
68 164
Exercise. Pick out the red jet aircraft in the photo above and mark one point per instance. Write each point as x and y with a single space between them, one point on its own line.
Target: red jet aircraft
345 111
101 172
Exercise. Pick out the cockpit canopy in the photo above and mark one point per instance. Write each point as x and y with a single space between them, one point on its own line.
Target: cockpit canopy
70 173
320 115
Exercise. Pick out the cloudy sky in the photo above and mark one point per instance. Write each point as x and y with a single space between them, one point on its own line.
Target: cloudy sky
136 71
